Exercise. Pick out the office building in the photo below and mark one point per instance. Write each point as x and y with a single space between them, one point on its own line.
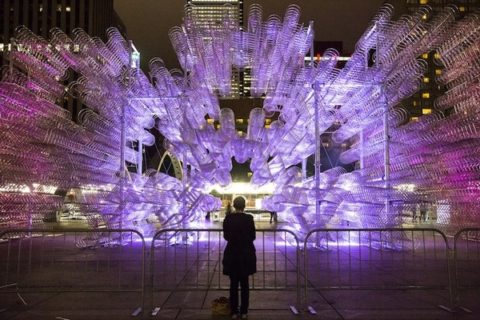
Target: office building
40 16
422 102
210 13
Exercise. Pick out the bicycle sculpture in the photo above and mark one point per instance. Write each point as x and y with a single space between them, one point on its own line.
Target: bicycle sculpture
41 149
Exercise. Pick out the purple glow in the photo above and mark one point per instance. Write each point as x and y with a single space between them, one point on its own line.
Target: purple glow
436 156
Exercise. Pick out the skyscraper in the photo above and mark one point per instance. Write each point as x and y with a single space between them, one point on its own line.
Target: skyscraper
464 6
422 102
40 16
209 13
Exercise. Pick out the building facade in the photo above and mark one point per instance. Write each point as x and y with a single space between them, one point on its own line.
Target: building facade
40 16
422 102
209 13
93 16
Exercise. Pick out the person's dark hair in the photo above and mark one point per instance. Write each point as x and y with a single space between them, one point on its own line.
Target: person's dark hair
239 203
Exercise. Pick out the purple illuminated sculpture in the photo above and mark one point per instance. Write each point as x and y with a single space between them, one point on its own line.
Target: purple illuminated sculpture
400 165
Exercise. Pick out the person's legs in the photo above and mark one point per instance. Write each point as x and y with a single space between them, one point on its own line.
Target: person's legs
244 294
234 280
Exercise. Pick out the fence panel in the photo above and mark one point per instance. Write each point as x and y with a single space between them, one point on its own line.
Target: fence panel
467 266
73 260
376 259
191 260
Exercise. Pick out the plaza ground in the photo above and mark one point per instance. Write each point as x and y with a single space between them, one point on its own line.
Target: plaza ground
68 276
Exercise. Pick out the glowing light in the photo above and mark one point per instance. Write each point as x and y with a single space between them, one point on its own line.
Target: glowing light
134 57
258 204
90 188
408 187
317 58
21 188
244 188
43 188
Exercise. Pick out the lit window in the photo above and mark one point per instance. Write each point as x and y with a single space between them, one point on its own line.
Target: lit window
437 55
426 79
218 126
462 9
1 47
415 103
426 95
425 56
240 133
68 9
267 126
424 17
423 1
426 111
249 174
240 121
210 121
438 72
414 119
268 121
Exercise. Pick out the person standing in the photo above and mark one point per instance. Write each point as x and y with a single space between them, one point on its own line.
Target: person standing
273 216
228 209
239 257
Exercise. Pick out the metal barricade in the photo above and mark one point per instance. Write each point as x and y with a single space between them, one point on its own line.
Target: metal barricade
376 259
467 267
191 260
69 261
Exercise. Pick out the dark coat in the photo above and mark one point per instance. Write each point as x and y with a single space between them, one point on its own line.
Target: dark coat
239 258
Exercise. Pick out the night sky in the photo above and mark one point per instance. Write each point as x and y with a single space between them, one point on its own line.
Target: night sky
148 21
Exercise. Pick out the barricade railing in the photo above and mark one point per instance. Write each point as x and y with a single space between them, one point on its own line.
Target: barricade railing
73 260
467 266
376 259
191 259
109 260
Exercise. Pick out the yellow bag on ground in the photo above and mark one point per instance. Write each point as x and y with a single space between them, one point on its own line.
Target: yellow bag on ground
221 306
